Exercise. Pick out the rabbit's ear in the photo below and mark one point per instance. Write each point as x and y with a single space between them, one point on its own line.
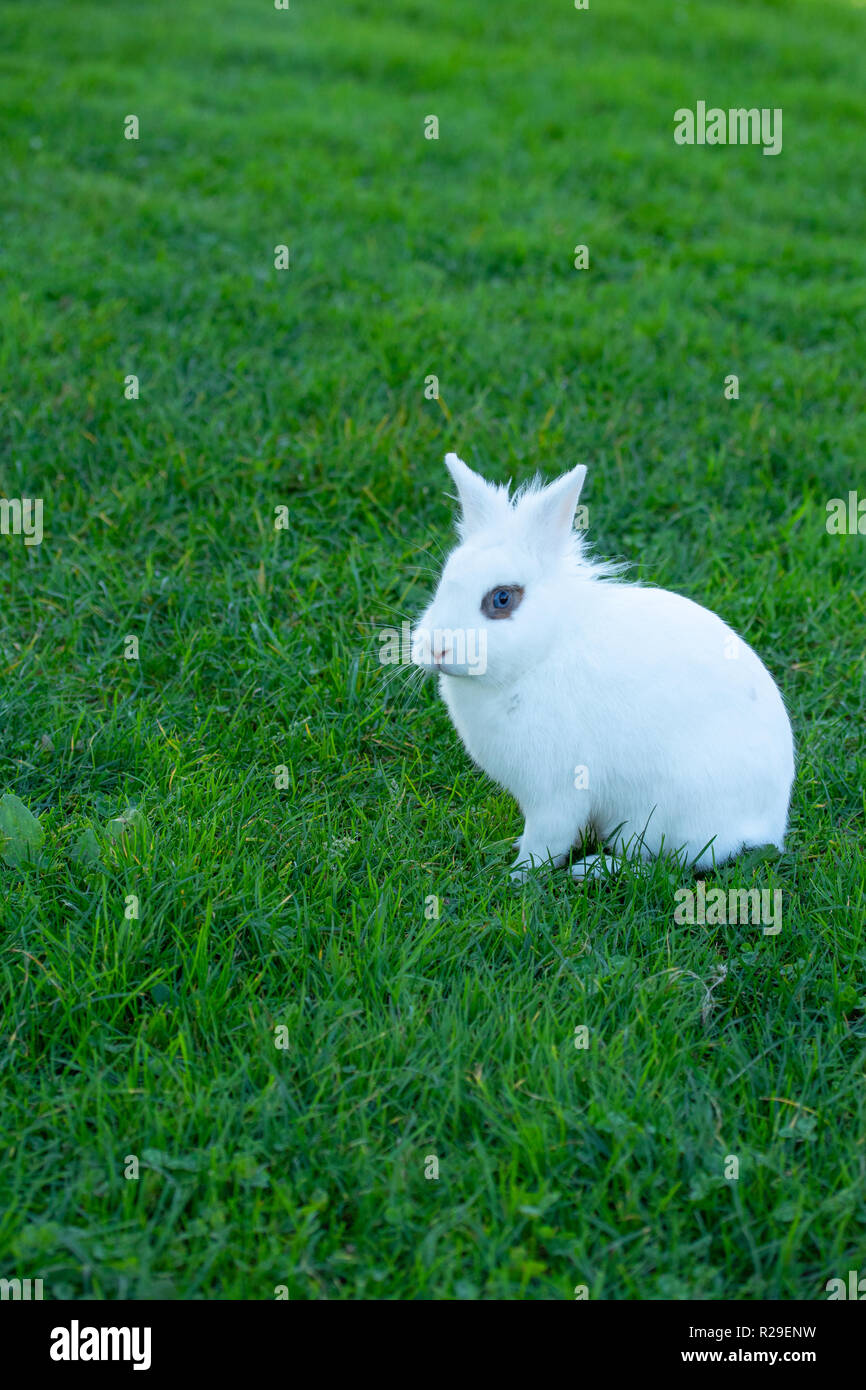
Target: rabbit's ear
550 512
480 501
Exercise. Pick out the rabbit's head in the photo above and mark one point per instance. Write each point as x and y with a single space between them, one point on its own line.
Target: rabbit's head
502 594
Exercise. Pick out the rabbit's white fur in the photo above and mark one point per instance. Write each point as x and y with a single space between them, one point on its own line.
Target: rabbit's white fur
609 710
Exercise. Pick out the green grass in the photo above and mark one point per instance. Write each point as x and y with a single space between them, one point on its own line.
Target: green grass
304 907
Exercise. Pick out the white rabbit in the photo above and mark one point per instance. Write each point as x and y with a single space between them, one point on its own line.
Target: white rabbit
611 711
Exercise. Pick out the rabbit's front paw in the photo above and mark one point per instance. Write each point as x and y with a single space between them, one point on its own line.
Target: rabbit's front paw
545 842
594 866
520 871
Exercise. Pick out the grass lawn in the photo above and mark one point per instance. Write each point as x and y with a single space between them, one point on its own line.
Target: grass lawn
152 1043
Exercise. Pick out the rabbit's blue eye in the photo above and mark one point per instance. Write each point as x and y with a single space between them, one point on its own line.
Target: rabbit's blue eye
501 602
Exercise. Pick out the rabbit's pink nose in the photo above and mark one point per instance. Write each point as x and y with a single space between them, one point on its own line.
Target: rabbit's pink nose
439 656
